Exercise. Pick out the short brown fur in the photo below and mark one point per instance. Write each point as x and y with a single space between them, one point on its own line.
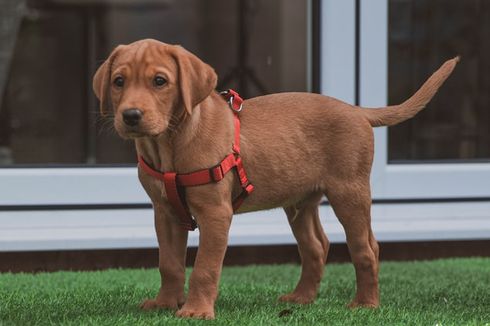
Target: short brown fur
296 147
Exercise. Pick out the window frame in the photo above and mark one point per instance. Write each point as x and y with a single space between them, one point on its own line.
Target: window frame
397 181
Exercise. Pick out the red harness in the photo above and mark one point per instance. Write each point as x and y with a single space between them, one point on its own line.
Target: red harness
175 183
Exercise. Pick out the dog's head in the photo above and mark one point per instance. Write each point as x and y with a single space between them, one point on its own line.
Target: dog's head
150 86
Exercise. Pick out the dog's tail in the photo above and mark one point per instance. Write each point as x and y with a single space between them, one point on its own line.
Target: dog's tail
392 115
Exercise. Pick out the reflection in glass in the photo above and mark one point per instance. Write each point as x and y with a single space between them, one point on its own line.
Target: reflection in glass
49 114
422 35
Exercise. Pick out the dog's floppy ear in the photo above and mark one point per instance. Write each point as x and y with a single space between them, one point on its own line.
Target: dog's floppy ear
196 79
102 82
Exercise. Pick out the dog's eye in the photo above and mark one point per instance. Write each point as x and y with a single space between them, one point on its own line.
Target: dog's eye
159 81
118 82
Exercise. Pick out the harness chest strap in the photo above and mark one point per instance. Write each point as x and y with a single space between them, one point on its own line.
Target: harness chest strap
175 183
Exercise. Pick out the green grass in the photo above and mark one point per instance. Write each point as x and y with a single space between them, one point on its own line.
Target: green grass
444 292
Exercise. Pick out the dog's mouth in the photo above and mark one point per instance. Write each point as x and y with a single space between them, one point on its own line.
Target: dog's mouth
135 132
134 135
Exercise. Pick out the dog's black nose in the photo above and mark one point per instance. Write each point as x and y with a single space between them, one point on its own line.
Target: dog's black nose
132 117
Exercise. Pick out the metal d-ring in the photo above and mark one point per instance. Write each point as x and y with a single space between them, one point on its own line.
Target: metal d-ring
230 103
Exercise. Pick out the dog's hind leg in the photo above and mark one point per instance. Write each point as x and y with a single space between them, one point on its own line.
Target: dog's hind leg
312 246
351 202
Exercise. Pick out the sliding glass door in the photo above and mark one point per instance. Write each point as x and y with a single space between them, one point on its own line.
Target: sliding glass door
444 152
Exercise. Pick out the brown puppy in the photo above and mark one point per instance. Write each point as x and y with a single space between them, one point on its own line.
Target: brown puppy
296 147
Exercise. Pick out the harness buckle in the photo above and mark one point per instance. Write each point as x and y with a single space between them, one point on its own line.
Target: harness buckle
216 173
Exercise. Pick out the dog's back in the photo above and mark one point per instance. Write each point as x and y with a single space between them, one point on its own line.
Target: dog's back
317 140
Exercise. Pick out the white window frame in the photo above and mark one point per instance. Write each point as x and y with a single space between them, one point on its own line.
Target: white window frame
70 186
405 181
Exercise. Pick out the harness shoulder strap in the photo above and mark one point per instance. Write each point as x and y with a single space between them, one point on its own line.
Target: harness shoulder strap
177 199
175 194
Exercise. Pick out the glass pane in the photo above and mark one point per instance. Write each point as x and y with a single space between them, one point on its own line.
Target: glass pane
43 107
48 113
422 35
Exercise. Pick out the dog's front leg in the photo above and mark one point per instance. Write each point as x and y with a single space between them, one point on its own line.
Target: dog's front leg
214 224
172 241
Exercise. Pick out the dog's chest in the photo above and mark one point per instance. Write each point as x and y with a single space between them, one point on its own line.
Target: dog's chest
153 187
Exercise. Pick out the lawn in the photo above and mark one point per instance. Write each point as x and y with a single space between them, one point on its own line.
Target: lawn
443 292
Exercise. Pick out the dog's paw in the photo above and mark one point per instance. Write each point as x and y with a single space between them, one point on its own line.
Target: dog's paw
152 304
196 313
357 304
297 298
